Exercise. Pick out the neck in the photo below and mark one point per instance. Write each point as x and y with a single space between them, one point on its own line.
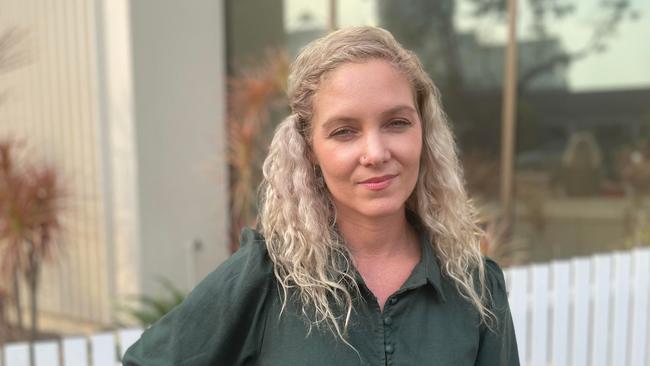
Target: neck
377 237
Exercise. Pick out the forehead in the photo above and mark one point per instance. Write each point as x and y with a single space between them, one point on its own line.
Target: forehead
368 85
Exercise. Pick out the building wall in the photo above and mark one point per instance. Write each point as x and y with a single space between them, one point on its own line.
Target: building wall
117 144
127 99
51 104
179 81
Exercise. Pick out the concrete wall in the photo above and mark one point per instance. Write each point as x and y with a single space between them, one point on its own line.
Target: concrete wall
50 103
179 79
126 98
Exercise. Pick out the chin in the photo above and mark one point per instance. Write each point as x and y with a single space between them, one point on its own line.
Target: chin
382 209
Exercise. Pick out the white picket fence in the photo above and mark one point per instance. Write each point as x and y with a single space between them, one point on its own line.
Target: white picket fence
584 311
103 349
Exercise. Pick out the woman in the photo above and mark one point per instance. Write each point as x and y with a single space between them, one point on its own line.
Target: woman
367 251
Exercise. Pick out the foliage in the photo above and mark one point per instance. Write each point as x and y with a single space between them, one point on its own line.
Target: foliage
10 59
253 96
427 27
146 310
31 197
612 14
604 29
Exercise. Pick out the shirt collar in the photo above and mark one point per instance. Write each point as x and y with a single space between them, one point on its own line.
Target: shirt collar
427 271
431 266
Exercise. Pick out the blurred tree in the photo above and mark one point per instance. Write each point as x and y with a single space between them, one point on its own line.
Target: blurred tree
611 14
253 97
31 197
11 58
10 231
428 28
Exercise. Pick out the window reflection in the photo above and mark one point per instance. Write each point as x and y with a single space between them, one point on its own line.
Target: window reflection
583 117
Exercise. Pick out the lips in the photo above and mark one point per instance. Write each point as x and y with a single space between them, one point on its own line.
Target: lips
378 183
378 179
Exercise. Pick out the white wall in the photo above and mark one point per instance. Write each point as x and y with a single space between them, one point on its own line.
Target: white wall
51 104
178 50
126 98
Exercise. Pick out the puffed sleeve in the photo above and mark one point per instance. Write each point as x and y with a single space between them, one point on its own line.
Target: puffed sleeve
220 322
498 346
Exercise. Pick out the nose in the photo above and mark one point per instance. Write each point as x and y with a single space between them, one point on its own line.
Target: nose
376 152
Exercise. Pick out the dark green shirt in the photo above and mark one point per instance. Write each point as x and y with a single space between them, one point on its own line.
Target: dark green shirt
232 318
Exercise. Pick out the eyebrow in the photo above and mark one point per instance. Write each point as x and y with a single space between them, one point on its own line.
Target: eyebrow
394 110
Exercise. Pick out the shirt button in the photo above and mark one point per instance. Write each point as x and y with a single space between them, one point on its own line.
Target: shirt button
389 348
388 320
393 300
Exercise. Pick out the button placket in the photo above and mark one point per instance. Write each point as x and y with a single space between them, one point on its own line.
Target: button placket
387 321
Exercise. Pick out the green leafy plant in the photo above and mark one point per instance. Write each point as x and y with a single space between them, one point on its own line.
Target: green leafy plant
146 310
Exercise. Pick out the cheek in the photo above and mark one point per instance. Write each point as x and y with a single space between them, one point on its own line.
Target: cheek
414 150
339 164
336 163
410 149
412 160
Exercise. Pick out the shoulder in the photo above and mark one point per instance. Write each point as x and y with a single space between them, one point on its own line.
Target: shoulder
221 319
241 282
252 255
494 274
495 283
498 344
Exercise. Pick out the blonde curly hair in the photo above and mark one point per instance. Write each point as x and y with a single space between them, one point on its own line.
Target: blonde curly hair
297 217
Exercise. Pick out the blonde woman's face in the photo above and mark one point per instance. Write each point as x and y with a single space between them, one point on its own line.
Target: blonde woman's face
367 139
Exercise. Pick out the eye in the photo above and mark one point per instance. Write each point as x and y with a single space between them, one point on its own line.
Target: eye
343 133
399 123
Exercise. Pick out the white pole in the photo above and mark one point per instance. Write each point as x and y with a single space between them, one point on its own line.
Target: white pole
332 26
